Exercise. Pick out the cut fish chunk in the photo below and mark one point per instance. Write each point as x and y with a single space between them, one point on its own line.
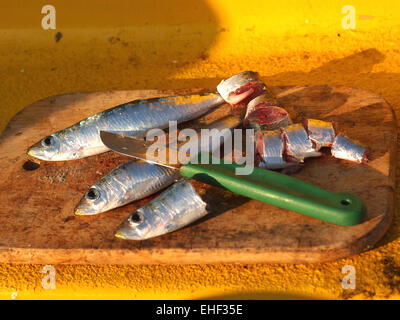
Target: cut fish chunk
298 145
270 146
268 118
321 133
241 88
344 148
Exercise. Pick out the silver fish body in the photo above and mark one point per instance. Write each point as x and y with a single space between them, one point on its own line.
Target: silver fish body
298 145
270 146
129 182
83 139
321 133
344 148
173 209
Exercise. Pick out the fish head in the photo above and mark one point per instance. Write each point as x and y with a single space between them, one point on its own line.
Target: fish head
96 200
52 148
136 227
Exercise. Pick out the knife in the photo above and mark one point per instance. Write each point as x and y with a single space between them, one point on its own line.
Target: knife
268 186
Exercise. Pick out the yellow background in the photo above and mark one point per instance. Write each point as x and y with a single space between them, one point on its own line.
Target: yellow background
155 44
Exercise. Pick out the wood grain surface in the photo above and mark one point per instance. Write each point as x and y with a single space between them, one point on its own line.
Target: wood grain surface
37 223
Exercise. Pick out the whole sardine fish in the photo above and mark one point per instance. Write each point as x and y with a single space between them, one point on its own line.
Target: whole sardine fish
83 139
129 182
173 209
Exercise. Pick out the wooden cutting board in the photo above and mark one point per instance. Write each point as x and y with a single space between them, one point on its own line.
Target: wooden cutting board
37 224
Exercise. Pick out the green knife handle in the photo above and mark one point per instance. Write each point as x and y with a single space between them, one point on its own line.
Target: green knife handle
280 190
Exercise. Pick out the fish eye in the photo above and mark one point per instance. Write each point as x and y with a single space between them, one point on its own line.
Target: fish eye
48 141
135 219
93 194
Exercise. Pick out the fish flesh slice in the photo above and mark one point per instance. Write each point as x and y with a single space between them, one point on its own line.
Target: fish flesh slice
268 118
263 100
83 139
241 88
263 113
173 209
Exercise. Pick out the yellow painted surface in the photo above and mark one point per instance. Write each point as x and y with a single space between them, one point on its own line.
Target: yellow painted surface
156 44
